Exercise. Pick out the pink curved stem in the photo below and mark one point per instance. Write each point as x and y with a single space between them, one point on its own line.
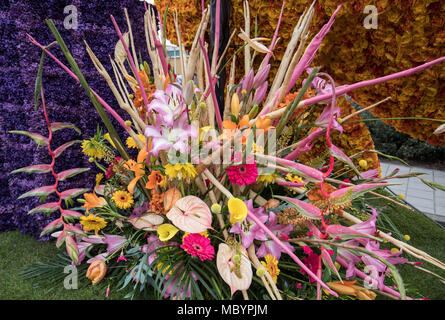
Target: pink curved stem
275 36
64 67
290 253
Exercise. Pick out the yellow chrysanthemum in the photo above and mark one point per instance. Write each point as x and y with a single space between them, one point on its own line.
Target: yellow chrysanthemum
93 149
92 223
180 171
132 144
271 265
99 178
123 199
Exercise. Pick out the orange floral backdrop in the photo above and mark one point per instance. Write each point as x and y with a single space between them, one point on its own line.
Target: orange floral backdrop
409 33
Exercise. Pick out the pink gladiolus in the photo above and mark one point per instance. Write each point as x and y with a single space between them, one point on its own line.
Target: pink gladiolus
191 214
238 278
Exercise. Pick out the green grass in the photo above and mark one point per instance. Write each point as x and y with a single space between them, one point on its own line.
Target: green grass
17 252
425 235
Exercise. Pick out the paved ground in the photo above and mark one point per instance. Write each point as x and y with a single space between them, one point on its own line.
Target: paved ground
419 195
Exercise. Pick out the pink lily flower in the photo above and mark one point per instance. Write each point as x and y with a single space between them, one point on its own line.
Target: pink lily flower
176 136
169 103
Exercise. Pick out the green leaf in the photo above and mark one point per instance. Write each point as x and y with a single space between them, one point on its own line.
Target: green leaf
45 208
64 125
36 168
39 192
72 193
64 146
38 83
38 138
71 173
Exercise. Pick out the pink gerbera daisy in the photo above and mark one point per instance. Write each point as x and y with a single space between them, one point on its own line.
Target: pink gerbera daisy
198 245
243 174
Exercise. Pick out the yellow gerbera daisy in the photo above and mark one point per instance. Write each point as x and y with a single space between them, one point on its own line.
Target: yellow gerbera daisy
271 265
123 199
180 170
93 148
132 144
92 223
296 179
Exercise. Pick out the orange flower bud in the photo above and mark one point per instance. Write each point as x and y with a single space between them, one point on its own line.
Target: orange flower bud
96 271
170 197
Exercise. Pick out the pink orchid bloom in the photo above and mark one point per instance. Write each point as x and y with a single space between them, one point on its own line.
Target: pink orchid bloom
191 214
270 246
248 229
176 136
238 278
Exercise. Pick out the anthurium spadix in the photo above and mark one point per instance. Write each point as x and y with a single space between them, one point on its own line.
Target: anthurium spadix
304 208
234 267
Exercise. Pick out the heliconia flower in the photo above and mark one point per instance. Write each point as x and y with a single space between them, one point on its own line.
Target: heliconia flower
373 173
237 209
305 208
199 246
234 267
147 222
191 214
175 136
243 174
261 76
356 191
248 229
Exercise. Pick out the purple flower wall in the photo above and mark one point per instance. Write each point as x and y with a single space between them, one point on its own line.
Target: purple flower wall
66 100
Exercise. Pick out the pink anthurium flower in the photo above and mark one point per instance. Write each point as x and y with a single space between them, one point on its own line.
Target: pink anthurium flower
191 214
234 267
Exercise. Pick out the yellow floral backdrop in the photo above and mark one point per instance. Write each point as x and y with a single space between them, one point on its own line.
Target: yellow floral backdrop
409 33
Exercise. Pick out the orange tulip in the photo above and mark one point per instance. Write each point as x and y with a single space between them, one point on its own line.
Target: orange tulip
96 271
231 128
93 201
264 123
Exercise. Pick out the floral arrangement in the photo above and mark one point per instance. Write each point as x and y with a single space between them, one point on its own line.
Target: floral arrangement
203 204
408 33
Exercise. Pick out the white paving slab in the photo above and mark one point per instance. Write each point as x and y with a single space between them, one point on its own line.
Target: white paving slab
418 194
